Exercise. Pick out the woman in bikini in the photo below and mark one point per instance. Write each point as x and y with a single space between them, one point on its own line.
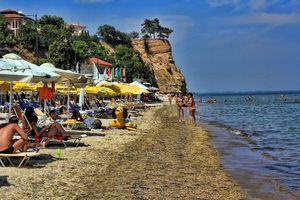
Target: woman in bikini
179 103
192 108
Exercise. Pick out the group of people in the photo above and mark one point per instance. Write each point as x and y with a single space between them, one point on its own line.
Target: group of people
184 101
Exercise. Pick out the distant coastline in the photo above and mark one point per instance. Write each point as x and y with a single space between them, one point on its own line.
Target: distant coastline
247 93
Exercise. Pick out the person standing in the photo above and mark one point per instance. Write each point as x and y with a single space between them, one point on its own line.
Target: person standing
192 108
179 103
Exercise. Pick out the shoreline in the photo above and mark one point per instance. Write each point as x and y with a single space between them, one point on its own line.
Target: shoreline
162 159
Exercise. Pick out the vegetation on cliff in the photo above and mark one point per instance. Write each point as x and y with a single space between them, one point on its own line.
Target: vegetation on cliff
58 44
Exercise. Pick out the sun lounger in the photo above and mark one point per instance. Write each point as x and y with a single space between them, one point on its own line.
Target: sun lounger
25 155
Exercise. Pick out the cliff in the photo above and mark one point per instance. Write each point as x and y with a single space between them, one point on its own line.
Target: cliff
158 53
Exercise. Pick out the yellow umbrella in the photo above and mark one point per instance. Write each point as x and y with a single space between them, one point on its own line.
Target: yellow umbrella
104 91
63 89
91 90
4 85
130 89
21 86
107 91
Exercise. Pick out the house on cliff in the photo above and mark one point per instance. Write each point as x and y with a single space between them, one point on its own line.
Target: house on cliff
15 19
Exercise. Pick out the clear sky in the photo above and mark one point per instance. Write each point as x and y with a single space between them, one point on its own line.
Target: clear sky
219 45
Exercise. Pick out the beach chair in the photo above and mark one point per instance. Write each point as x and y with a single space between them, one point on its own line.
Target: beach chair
17 111
34 104
40 139
24 155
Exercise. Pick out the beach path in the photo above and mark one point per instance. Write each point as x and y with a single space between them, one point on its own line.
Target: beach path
164 159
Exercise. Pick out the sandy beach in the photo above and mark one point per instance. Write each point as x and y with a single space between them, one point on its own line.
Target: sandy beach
163 159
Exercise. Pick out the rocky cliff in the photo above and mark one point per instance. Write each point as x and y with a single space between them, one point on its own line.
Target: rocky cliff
158 53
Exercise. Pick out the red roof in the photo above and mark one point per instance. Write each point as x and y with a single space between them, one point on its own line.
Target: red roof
98 61
76 25
8 10
12 15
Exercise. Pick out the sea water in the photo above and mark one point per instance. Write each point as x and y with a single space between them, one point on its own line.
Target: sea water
258 136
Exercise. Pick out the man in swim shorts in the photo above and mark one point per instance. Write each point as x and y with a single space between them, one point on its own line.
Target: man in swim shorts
7 132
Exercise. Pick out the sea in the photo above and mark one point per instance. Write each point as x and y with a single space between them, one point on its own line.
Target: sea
258 138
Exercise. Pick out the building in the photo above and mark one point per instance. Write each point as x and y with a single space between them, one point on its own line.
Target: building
15 19
97 69
78 28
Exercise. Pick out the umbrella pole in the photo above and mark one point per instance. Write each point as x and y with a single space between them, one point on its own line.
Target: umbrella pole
68 100
81 98
10 100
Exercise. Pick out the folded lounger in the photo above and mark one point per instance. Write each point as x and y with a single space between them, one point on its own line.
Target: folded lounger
25 155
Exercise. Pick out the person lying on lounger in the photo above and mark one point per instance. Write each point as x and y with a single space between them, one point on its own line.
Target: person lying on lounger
7 132
49 131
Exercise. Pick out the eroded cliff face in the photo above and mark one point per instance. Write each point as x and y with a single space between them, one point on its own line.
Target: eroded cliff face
158 53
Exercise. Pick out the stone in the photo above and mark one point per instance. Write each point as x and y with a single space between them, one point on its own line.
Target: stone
158 54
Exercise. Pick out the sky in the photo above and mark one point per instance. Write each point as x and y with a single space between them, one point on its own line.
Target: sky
219 45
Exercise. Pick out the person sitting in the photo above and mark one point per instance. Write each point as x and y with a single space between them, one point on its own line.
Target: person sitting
62 110
49 131
76 115
7 132
27 114
53 115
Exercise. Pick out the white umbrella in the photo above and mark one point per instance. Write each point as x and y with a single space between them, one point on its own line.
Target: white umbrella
68 77
37 73
9 72
140 85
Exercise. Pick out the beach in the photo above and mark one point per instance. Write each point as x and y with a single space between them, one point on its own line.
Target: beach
163 159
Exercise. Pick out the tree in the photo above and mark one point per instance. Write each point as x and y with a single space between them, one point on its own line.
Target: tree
61 54
134 35
50 30
147 28
112 36
6 36
27 35
135 67
153 29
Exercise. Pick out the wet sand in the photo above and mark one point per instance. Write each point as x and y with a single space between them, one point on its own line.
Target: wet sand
164 159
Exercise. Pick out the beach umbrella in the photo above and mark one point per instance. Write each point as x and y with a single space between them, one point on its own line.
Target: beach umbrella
91 90
103 91
10 72
154 89
67 76
105 84
140 85
126 88
37 74
4 85
23 86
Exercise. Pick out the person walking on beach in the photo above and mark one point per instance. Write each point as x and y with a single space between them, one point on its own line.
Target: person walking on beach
179 103
7 132
192 108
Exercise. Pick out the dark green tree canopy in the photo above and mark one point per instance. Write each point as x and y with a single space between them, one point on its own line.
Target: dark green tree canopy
6 36
112 36
153 29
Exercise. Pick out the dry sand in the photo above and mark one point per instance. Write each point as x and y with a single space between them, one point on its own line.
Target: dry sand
164 159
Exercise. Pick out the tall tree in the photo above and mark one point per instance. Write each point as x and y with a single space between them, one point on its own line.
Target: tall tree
27 35
112 36
50 30
153 29
6 36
